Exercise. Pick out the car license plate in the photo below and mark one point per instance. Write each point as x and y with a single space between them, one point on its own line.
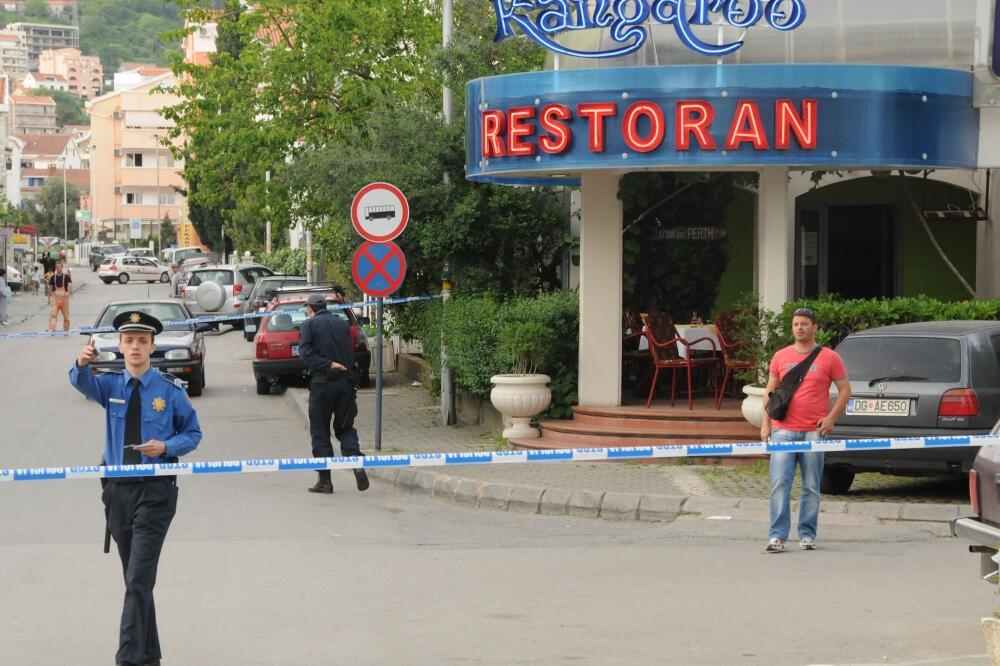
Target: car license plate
295 350
250 328
878 407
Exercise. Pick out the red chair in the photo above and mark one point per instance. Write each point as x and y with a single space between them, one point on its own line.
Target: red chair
663 340
725 327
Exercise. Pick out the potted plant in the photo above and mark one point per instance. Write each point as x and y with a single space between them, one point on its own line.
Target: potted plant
524 393
760 334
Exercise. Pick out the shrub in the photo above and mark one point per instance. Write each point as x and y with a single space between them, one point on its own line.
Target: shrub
285 261
838 317
484 332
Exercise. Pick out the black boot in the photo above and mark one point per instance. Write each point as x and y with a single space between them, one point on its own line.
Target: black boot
362 479
323 485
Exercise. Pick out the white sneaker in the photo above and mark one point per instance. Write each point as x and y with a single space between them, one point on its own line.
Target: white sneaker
775 545
807 543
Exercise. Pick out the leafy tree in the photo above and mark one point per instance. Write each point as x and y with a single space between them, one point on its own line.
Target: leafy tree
69 108
119 30
168 235
46 211
351 94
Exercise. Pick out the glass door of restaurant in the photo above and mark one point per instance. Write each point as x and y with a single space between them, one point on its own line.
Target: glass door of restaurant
852 251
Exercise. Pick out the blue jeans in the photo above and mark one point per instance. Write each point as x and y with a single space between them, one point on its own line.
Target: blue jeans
782 475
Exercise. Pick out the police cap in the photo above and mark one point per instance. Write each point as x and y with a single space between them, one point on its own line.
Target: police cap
137 321
316 301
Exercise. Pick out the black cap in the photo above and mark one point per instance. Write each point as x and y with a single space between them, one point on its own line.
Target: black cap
316 301
137 321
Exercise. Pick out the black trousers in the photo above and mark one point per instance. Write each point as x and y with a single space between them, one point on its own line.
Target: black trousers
333 400
139 514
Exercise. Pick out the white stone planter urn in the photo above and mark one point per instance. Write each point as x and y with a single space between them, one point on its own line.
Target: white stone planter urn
520 397
753 404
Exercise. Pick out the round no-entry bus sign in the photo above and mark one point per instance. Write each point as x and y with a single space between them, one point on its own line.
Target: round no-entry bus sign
378 268
379 212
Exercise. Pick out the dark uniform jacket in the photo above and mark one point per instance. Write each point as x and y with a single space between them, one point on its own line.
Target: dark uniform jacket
323 339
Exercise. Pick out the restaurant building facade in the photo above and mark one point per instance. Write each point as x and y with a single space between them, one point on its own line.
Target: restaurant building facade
872 129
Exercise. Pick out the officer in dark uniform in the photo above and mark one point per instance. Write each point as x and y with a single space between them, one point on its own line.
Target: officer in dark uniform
149 419
325 347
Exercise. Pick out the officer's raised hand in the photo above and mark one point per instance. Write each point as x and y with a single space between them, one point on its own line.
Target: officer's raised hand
87 354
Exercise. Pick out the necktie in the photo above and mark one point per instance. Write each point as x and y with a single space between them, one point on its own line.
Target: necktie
133 424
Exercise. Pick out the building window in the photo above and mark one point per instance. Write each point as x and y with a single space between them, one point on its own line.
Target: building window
133 197
133 159
166 161
167 198
36 182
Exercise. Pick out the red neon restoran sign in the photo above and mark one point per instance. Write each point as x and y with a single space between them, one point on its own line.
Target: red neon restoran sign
645 126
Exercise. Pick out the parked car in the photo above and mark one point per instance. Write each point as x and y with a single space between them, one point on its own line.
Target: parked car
276 359
124 268
98 253
264 290
921 379
179 254
14 278
983 529
221 288
180 348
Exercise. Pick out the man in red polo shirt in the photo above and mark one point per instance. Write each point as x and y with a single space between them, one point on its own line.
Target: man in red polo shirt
809 418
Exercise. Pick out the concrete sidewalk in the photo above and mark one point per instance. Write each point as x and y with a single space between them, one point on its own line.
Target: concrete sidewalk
614 491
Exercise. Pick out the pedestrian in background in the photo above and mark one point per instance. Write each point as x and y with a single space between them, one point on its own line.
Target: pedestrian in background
37 278
5 295
175 279
809 417
149 420
325 347
60 291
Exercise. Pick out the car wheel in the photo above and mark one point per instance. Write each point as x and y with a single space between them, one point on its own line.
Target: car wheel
164 277
123 278
196 384
365 380
837 479
263 386
105 281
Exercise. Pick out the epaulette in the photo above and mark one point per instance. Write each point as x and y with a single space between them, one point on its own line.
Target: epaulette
176 381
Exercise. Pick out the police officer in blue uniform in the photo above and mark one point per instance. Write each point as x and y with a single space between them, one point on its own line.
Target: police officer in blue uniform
149 419
325 347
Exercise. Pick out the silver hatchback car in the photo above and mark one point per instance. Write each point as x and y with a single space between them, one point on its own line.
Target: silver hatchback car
220 289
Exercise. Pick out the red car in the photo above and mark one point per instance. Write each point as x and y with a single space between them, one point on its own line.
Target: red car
276 346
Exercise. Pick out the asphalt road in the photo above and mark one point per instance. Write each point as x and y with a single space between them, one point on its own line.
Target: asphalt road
257 571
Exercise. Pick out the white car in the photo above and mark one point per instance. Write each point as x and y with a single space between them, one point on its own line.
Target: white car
124 268
14 278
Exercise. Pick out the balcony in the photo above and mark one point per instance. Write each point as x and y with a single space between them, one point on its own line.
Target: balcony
146 177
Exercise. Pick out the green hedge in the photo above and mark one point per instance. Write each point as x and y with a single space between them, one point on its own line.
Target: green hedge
285 261
474 327
838 318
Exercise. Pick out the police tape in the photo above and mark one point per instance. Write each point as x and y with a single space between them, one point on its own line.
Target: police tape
210 319
491 458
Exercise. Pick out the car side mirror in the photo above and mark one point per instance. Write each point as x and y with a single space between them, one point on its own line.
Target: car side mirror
364 321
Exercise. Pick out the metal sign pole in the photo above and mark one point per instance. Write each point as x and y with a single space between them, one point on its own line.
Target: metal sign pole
378 376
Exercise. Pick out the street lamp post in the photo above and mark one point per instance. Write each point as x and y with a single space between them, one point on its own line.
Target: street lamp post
159 218
65 222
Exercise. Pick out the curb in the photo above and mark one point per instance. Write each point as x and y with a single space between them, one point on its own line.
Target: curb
621 506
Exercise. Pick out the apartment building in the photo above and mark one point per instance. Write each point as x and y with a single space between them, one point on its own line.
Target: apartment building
84 74
34 158
33 114
199 44
40 37
133 176
56 7
13 53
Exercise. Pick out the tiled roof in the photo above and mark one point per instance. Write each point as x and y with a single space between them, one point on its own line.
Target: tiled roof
32 99
44 144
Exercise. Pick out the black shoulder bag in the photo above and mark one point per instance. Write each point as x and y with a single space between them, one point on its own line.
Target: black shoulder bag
779 399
